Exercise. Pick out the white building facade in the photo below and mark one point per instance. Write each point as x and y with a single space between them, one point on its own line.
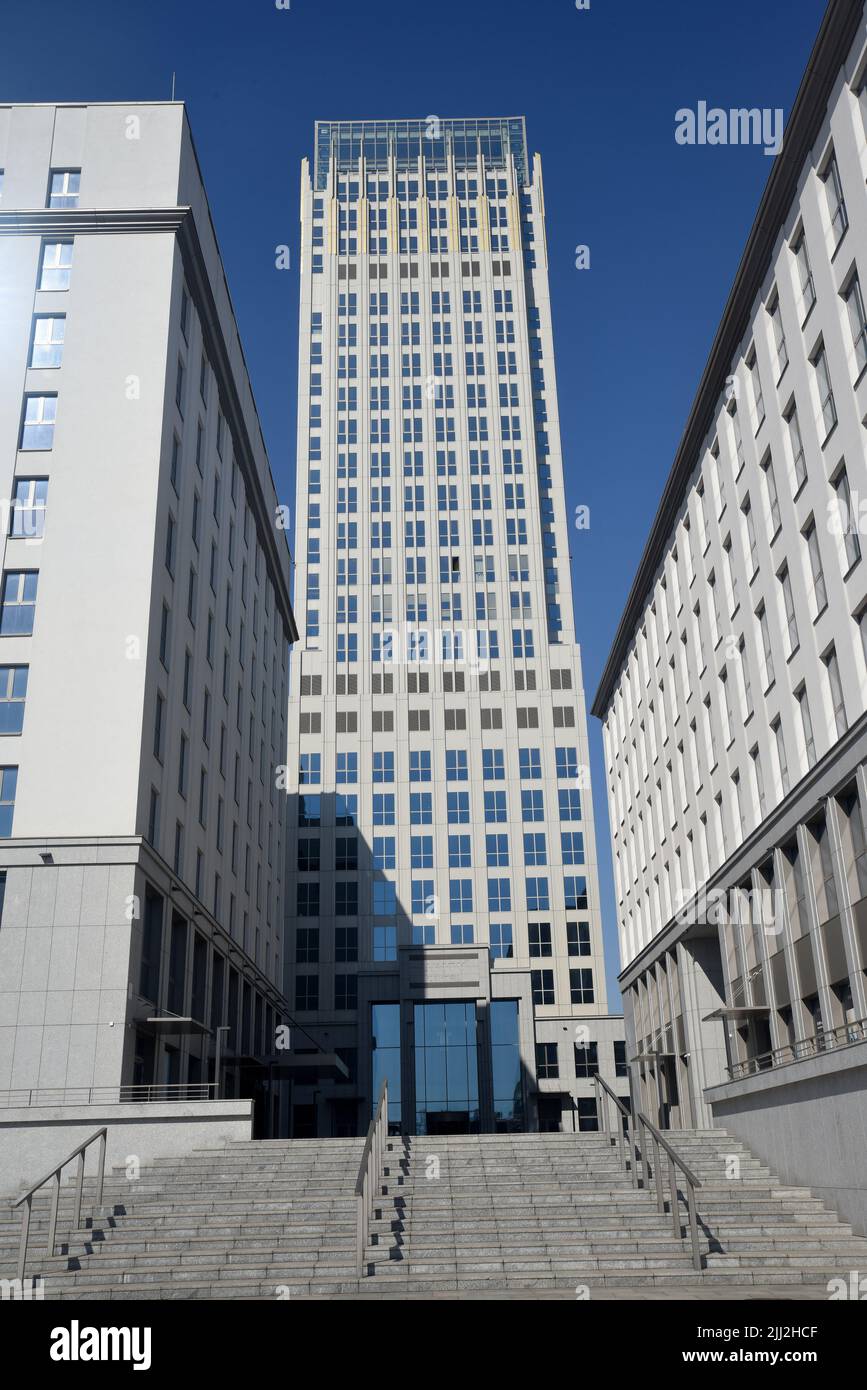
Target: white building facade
144 623
734 701
445 929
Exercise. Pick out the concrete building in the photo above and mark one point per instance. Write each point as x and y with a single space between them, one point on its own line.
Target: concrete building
734 700
445 928
144 627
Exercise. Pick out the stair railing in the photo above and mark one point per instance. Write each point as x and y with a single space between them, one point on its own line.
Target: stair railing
27 1200
635 1159
615 1128
370 1172
690 1183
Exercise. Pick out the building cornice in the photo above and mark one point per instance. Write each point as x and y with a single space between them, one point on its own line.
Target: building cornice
834 40
179 222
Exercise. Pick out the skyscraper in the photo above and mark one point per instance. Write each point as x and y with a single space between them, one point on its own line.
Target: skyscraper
445 930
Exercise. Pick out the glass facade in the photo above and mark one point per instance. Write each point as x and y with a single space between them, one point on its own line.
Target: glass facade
495 137
506 1060
386 1059
446 1069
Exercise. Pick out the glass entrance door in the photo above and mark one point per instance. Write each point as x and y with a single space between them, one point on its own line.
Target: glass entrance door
446 1069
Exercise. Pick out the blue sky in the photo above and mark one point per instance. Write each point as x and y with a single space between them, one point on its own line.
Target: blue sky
665 223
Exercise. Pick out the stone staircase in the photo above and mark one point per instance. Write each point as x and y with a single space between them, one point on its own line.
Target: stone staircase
471 1213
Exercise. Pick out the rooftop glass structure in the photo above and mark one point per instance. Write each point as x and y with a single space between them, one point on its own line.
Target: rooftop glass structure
432 136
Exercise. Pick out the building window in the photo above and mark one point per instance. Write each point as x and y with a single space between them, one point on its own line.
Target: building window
806 725
836 202
13 693
581 986
543 986
578 938
585 1113
306 992
345 944
500 936
805 276
799 462
857 322
848 521
547 1064
345 991
28 507
56 267
37 427
782 760
63 188
8 785
789 607
46 346
620 1066
18 603
461 933
820 593
779 336
823 386
586 1059
835 690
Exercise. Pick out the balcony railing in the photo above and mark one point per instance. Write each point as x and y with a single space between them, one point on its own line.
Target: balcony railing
107 1095
828 1040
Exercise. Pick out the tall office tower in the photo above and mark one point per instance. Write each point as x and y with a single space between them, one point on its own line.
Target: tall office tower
445 931
144 622
734 700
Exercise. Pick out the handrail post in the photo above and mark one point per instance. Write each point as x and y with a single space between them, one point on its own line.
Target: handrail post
633 1168
657 1169
642 1149
693 1225
52 1225
675 1210
25 1233
100 1175
79 1184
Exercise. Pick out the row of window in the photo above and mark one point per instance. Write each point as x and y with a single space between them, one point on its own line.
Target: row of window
383 854
456 764
307 998
586 1056
424 901
343 808
419 683
500 940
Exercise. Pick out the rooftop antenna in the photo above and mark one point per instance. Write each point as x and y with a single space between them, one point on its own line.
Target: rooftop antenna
173 86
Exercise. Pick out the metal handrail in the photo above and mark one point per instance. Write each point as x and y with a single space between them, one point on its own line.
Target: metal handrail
27 1198
603 1094
369 1175
691 1183
150 1092
636 1159
844 1035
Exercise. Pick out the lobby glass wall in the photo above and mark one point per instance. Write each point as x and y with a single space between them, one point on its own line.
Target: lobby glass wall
506 1059
386 1059
446 1069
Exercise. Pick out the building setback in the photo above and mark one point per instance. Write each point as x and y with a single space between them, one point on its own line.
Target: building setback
144 623
734 701
444 931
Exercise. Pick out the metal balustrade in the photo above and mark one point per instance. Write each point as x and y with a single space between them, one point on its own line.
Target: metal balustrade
635 1159
370 1172
828 1040
27 1200
108 1095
